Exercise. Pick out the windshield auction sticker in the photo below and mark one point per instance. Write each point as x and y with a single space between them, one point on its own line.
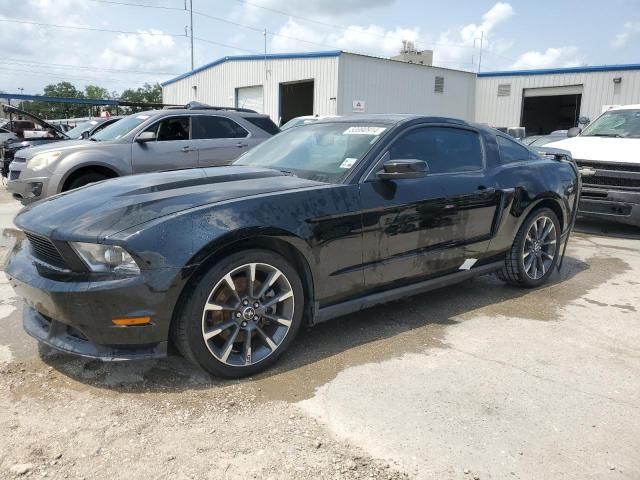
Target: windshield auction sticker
348 162
364 130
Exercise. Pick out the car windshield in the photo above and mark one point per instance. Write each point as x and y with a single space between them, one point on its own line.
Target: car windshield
120 128
296 122
615 123
325 152
77 131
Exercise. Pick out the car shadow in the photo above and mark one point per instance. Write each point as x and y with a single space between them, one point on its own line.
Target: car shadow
320 353
607 229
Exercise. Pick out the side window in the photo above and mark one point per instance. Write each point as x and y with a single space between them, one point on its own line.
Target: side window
445 149
216 127
170 129
511 151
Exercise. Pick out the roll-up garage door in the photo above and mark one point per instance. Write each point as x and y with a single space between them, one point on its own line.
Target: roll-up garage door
551 91
249 97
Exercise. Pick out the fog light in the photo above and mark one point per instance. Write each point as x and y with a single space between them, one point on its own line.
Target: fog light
130 321
36 189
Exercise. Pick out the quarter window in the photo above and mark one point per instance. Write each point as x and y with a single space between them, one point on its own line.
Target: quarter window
511 151
207 127
445 149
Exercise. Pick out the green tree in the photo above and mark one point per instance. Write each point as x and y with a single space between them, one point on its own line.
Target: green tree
96 92
148 93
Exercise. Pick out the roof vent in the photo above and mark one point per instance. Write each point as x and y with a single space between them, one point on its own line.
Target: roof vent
439 85
504 90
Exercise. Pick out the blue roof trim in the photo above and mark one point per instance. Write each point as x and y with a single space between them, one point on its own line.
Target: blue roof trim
44 98
270 56
550 71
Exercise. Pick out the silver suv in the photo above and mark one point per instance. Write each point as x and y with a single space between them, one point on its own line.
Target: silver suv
194 136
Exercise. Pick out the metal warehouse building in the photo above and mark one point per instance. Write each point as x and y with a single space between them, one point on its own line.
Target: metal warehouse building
553 99
325 83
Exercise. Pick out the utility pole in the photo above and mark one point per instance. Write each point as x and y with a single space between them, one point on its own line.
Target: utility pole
190 27
480 57
264 88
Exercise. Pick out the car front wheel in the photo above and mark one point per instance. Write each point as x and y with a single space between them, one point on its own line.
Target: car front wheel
242 315
535 250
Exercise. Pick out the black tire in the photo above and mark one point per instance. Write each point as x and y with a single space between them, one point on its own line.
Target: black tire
85 179
192 321
516 270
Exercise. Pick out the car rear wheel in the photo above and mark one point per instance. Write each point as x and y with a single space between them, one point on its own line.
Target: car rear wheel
534 253
242 315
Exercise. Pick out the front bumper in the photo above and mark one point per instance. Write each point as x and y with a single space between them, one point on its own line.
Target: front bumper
74 313
616 205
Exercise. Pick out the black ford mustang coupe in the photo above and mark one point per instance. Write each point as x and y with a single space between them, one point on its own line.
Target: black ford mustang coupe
319 221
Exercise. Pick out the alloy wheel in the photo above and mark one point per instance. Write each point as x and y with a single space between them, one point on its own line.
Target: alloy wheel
248 314
539 248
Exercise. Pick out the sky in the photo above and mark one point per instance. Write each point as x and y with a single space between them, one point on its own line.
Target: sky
121 44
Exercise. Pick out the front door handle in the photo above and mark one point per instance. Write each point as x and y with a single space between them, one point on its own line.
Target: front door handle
187 149
241 145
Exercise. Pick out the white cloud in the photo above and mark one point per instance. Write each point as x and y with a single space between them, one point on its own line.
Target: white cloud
629 30
373 39
152 50
455 47
551 57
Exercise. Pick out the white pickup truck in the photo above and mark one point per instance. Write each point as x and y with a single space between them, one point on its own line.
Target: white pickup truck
608 154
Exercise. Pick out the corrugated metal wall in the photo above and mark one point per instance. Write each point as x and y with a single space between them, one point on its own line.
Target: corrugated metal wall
397 87
216 85
598 90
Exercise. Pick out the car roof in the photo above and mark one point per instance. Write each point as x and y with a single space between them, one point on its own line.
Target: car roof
625 107
204 111
397 118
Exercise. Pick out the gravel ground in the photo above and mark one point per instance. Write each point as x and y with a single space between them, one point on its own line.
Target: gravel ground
499 383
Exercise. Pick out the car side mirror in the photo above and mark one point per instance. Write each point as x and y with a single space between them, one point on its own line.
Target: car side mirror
145 137
405 168
84 135
573 132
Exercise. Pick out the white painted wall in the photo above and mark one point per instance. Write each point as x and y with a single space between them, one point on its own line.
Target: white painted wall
388 86
598 90
216 85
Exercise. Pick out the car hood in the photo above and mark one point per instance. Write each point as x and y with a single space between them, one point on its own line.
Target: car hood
64 146
603 149
94 212
18 144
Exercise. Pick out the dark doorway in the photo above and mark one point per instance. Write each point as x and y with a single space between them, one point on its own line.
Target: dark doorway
296 99
543 115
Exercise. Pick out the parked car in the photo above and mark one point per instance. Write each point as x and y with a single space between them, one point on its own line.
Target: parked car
142 142
542 140
90 127
304 120
6 135
9 147
608 152
319 221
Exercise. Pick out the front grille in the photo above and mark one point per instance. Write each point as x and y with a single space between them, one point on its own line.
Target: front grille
43 249
616 166
14 175
611 174
19 159
602 181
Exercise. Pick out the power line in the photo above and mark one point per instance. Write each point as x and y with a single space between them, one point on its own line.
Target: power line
125 4
225 45
12 71
17 61
91 29
347 27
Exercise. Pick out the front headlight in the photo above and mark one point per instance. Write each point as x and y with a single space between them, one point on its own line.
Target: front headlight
42 160
106 258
